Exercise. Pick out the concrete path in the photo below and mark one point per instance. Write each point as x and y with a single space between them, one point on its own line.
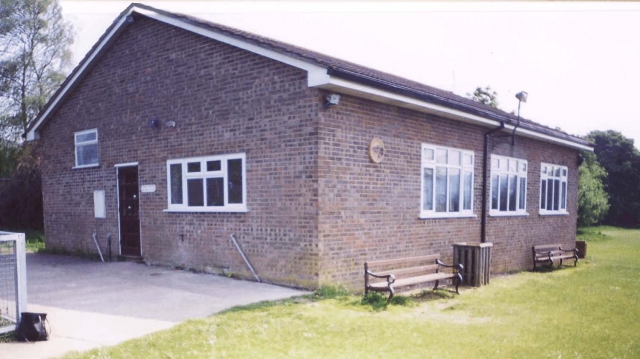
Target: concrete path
91 304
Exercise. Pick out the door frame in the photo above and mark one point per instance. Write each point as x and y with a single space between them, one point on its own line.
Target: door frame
117 167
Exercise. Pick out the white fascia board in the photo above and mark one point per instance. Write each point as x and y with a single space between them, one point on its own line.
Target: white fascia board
315 72
368 92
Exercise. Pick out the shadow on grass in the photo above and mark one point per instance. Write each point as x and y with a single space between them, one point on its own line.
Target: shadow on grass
378 302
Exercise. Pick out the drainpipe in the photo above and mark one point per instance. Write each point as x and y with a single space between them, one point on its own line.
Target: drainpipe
485 160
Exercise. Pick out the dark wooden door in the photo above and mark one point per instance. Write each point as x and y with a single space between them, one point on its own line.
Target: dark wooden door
129 217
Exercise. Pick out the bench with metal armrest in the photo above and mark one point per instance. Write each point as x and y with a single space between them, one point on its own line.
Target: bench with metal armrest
391 274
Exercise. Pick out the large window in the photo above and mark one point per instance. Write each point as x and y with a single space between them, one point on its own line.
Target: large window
207 184
508 186
86 148
553 189
447 182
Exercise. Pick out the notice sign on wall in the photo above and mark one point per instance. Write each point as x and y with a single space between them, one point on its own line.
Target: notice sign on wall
99 207
148 188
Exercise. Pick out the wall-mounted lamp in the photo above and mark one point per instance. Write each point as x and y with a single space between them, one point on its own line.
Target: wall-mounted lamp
332 100
154 123
522 97
171 123
580 159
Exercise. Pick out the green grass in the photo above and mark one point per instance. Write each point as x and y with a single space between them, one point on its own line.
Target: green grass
592 311
34 238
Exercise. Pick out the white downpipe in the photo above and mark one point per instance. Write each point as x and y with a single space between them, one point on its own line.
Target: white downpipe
233 239
95 240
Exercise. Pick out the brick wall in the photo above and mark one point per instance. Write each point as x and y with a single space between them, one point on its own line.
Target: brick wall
371 211
223 100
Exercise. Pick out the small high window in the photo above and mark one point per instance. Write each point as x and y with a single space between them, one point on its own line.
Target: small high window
207 184
447 182
86 147
508 186
553 189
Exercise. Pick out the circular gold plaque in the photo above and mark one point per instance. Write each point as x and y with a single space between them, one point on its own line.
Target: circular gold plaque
376 150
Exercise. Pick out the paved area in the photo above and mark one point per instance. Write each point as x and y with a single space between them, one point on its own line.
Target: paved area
91 304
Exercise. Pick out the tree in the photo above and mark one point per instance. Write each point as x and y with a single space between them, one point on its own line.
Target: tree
485 96
621 160
593 200
34 53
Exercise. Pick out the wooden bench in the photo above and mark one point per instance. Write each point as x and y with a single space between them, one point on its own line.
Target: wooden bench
390 274
551 253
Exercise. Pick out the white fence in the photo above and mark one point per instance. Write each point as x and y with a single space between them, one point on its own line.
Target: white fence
13 280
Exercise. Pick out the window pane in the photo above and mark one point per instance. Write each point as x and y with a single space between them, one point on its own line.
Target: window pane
558 172
234 168
427 201
175 172
441 156
91 136
213 166
87 154
523 193
563 202
215 191
428 154
556 197
467 160
454 158
564 172
513 183
454 190
544 170
195 192
543 194
467 191
549 194
523 167
494 191
513 165
495 163
504 186
441 189
193 167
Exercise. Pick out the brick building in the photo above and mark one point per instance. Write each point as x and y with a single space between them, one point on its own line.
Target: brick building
173 133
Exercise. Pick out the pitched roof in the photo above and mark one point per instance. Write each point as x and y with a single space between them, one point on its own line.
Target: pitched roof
349 77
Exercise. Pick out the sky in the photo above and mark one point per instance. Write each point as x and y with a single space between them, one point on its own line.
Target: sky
579 62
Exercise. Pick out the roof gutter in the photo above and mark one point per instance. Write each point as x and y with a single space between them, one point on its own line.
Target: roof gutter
381 91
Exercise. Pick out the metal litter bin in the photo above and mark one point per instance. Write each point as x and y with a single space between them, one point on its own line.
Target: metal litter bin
475 257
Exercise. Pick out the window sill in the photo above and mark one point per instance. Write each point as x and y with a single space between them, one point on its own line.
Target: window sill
554 213
447 215
206 210
508 214
85 166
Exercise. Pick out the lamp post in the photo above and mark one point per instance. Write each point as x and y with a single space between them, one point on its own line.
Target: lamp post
522 97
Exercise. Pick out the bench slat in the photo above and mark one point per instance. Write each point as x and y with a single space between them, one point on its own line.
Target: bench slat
398 273
388 262
546 247
414 280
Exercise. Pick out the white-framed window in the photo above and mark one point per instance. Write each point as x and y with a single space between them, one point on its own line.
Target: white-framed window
553 189
447 182
86 148
207 184
508 186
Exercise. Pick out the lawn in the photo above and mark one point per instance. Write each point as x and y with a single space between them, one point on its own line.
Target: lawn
592 311
34 238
